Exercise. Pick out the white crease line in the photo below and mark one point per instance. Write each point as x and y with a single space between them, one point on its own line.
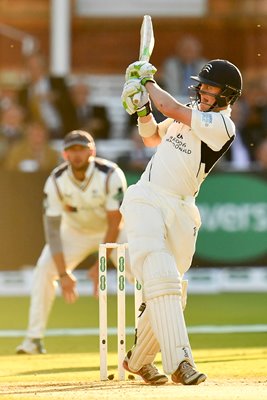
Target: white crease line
7 333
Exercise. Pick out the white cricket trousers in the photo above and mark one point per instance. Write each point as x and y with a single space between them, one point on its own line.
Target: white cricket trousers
76 247
156 221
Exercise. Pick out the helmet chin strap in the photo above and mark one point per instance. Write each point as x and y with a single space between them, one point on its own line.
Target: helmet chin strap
213 107
197 99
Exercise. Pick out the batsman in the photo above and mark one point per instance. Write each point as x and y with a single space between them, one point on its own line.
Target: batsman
161 217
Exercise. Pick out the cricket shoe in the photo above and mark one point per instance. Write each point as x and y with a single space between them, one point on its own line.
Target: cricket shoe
187 375
31 346
149 373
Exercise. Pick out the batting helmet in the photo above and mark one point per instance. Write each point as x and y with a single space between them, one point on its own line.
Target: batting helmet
222 74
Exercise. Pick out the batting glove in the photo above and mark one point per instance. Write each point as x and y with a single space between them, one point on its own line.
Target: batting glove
135 98
142 70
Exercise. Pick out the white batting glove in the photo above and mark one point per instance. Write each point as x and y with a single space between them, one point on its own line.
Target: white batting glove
134 96
142 70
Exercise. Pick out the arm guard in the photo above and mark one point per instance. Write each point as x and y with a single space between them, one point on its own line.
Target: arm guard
147 129
52 233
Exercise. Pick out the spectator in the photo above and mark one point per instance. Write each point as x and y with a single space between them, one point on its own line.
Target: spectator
177 69
33 153
261 155
253 125
93 118
8 94
47 98
139 156
238 156
3 150
11 122
250 118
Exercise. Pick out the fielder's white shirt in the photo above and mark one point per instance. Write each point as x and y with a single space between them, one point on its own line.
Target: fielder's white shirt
83 205
186 155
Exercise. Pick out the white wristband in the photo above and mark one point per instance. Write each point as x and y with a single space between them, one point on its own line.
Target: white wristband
147 129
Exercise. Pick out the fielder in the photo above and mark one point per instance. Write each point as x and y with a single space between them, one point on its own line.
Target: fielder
161 218
81 210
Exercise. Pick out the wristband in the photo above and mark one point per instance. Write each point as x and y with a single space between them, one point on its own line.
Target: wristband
147 79
145 110
147 129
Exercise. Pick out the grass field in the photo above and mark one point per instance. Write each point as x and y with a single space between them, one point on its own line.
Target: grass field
236 363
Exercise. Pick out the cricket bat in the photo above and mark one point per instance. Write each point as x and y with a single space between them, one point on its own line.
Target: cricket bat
147 42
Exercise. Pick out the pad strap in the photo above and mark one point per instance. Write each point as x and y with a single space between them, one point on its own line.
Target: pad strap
146 346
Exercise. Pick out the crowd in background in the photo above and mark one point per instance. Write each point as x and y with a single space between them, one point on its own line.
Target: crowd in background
249 149
45 108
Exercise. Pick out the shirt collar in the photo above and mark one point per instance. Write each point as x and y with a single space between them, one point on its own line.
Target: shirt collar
88 174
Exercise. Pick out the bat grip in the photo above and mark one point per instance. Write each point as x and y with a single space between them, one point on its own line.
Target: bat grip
136 99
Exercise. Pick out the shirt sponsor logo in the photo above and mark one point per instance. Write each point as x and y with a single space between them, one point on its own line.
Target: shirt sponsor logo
178 143
119 195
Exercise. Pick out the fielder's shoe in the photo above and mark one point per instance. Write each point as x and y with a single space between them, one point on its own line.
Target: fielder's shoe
187 375
31 346
149 373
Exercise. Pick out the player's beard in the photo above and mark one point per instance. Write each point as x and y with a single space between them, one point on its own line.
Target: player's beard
80 167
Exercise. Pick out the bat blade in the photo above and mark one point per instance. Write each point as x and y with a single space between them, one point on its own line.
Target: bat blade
147 40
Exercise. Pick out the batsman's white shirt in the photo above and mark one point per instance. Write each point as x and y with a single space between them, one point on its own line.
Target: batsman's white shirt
186 155
159 211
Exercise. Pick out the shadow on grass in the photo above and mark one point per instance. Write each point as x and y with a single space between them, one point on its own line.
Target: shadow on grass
39 388
61 370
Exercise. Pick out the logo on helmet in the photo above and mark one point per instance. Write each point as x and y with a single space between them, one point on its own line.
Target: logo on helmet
222 74
207 67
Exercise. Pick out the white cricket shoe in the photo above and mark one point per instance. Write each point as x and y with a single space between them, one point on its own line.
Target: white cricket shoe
187 375
149 373
31 346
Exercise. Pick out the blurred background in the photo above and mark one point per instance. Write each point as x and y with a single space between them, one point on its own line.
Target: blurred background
82 47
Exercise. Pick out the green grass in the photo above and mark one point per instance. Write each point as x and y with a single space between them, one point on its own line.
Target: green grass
226 309
232 374
86 366
215 309
233 362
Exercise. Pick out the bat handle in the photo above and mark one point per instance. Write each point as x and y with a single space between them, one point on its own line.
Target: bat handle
144 57
136 99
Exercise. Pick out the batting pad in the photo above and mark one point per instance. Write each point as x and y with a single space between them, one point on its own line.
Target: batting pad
146 347
184 293
162 290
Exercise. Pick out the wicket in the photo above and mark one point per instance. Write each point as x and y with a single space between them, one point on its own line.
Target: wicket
103 336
